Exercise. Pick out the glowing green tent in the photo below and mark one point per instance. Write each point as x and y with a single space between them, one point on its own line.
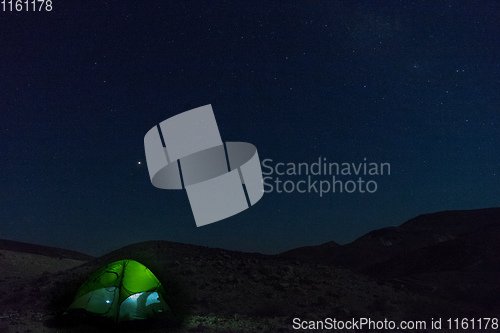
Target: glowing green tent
122 290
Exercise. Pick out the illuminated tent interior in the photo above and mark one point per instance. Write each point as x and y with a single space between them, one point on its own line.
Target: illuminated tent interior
122 290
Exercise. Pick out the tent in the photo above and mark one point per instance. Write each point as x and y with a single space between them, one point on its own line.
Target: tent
122 290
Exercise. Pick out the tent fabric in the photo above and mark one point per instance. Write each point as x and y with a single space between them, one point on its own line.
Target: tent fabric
122 290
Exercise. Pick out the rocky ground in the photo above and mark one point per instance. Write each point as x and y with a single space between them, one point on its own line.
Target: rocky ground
442 265
215 290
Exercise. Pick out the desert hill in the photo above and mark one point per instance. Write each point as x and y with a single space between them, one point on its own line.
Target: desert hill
22 260
216 290
43 250
426 254
423 232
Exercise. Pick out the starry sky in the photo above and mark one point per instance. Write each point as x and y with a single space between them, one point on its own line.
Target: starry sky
412 83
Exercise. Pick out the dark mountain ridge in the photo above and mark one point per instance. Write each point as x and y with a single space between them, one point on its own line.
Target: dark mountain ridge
453 255
477 229
43 250
444 264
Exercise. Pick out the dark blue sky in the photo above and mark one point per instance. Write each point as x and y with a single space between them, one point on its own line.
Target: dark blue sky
412 83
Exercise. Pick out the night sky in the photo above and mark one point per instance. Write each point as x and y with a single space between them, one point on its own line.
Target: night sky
412 83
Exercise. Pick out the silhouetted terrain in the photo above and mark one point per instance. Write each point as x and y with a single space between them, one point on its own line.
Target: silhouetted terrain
424 231
436 265
453 254
21 260
43 250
